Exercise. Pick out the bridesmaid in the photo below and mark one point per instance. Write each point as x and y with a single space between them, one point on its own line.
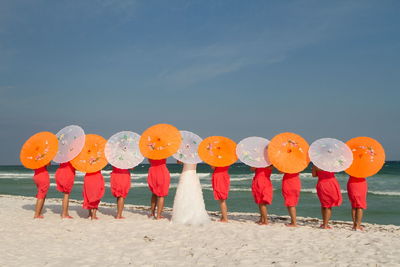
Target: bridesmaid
42 180
65 176
158 180
328 191
93 191
291 186
357 189
262 190
120 180
220 183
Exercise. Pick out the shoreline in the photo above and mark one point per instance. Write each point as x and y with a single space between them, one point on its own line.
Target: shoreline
140 241
108 209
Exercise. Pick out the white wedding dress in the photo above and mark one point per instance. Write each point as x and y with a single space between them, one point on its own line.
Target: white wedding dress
189 205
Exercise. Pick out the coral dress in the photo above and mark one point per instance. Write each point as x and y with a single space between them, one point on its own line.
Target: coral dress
291 186
93 190
65 176
220 183
120 180
357 189
262 187
42 181
328 189
158 177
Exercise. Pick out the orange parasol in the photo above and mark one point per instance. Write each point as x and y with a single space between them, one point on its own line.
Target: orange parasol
39 150
218 151
288 152
92 158
368 157
160 141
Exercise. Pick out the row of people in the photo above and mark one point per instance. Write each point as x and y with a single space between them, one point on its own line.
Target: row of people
328 190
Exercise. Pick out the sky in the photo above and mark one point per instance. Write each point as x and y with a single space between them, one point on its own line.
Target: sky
231 68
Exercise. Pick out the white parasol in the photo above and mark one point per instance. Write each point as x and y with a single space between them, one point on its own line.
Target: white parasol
330 155
122 150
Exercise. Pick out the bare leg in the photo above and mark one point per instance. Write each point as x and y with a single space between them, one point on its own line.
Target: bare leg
224 211
120 207
153 202
160 207
90 213
94 217
38 208
263 213
326 216
358 219
353 215
292 214
260 220
65 206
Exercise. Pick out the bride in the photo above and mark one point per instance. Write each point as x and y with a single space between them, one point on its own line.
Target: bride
189 205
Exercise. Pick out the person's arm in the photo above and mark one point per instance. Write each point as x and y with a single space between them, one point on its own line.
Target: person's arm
314 171
252 169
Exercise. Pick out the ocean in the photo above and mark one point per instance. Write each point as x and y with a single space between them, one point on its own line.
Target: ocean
383 195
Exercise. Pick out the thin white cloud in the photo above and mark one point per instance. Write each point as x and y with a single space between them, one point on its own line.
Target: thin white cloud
125 9
190 66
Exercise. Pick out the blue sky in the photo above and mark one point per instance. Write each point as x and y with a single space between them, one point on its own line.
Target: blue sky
232 68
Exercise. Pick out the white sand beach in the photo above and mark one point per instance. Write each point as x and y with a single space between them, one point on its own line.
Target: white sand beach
140 241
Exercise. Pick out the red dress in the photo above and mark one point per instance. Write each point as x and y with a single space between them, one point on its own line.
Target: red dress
291 186
220 183
357 189
42 181
120 182
158 177
93 190
262 187
328 189
65 176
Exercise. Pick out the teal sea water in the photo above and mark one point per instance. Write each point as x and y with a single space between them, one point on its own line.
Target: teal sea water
383 196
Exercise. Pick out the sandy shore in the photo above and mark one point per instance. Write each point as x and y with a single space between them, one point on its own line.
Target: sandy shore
139 241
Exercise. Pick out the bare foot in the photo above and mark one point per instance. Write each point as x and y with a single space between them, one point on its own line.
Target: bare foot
223 221
325 226
66 217
160 217
95 218
119 217
291 225
151 215
262 223
360 228
38 217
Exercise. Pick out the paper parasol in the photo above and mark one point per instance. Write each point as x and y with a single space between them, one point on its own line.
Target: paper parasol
187 152
122 150
368 157
288 152
71 140
253 152
160 141
218 151
39 150
330 155
92 158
